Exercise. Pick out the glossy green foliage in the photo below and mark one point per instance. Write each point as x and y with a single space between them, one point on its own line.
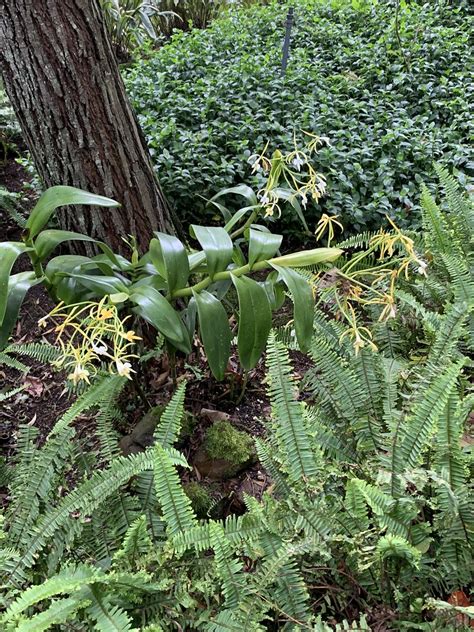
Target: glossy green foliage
209 99
150 286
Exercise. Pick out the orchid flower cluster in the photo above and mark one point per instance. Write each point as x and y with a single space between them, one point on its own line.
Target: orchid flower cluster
90 334
372 284
292 171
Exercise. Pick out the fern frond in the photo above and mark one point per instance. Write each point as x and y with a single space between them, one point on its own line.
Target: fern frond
236 621
314 521
432 319
267 460
291 596
460 207
43 352
104 389
108 617
388 340
229 569
421 423
333 380
289 421
391 517
175 504
355 504
68 580
361 240
136 542
13 363
392 369
59 612
85 499
368 369
11 393
461 278
145 490
35 484
447 337
167 430
449 457
437 233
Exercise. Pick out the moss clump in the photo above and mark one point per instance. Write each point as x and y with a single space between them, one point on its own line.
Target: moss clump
223 441
201 499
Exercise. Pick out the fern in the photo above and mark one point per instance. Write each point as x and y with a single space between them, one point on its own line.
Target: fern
334 380
136 542
37 484
437 234
461 209
11 393
41 351
13 363
447 336
69 580
421 424
59 612
85 499
175 505
107 616
167 430
104 389
229 569
290 427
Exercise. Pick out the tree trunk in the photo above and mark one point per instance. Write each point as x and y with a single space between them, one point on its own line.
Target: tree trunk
64 84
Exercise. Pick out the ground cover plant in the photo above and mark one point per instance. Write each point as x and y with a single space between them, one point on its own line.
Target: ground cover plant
391 97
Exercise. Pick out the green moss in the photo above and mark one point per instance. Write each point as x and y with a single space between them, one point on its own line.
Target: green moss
223 441
200 498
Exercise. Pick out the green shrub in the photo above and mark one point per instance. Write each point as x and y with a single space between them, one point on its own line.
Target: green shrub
209 99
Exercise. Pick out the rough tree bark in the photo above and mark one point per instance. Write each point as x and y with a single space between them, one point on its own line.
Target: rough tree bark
64 84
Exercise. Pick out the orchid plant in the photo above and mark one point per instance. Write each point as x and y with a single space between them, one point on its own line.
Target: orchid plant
177 289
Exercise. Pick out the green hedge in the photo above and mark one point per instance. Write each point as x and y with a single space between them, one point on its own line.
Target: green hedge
209 99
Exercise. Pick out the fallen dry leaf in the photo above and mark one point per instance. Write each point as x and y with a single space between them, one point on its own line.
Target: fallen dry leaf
33 386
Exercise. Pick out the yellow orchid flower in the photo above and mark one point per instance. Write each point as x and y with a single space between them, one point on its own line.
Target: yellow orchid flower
327 222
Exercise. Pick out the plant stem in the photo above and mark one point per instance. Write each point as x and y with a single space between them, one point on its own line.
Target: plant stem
220 276
248 223
244 388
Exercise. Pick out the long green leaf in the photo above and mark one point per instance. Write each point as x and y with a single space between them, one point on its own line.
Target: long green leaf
237 216
64 263
9 253
101 285
303 302
241 189
262 246
170 259
215 332
48 240
255 320
154 308
217 245
61 196
18 286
